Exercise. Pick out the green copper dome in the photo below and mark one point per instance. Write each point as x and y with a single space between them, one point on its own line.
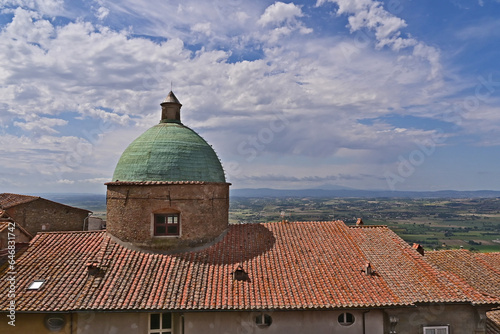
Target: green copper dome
169 151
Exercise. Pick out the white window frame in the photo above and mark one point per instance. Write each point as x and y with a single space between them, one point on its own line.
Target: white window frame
435 328
160 330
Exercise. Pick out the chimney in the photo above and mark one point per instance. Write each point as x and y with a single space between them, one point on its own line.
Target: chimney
418 248
368 269
95 269
240 274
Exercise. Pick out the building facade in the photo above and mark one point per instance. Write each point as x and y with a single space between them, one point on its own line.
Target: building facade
37 214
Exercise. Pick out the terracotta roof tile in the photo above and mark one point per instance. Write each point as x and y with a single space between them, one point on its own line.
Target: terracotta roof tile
406 272
482 271
304 265
493 322
490 259
8 200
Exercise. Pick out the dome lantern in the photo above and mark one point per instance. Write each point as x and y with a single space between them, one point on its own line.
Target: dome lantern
170 109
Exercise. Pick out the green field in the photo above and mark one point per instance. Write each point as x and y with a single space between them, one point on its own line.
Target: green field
473 224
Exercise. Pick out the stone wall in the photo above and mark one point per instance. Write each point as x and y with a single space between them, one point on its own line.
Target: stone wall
35 323
462 319
289 322
42 215
203 210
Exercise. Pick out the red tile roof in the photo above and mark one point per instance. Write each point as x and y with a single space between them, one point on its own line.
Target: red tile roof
482 271
9 200
304 265
490 259
493 322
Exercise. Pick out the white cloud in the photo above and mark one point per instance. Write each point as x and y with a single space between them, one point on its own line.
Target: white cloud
44 125
279 13
99 180
105 116
203 28
283 17
485 29
29 27
102 13
175 19
44 7
315 89
371 15
65 181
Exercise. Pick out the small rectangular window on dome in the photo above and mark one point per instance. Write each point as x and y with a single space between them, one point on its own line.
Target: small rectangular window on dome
166 224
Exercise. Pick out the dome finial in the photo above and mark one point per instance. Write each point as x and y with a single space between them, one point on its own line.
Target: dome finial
171 109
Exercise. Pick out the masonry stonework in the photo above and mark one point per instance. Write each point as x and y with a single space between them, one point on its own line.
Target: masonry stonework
203 209
47 216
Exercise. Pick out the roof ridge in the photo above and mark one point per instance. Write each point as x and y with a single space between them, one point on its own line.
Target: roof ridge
11 198
21 195
28 199
70 232
139 183
66 205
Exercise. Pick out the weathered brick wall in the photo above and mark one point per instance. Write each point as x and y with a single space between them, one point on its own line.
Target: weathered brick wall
203 213
54 216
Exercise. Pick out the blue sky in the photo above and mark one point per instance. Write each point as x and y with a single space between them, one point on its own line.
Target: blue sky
398 94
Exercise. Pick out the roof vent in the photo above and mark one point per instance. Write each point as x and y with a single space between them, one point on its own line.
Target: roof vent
263 320
359 222
418 248
54 322
240 274
368 270
95 269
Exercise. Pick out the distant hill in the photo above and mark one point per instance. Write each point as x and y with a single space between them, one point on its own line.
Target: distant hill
97 202
267 192
92 202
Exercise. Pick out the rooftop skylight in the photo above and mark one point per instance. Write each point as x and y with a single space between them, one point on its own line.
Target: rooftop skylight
36 284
